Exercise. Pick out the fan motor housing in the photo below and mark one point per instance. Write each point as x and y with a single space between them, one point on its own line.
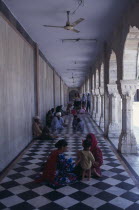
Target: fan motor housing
68 27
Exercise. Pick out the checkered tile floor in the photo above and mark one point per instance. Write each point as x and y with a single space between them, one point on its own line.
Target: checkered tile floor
114 190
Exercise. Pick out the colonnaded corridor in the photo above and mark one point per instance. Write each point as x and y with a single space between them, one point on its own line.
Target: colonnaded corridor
62 57
114 190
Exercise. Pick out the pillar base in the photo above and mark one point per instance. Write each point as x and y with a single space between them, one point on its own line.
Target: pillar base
94 116
114 130
101 123
97 119
127 144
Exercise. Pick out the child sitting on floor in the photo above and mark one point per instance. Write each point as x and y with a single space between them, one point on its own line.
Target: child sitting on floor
85 159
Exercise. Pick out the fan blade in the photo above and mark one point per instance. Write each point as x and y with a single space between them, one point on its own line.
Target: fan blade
77 21
74 30
53 26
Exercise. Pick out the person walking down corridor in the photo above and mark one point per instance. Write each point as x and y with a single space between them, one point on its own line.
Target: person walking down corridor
83 99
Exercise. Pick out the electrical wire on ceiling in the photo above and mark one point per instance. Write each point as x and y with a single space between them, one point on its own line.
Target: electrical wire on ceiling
80 3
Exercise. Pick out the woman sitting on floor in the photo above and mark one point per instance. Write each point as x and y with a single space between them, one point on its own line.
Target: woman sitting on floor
46 135
49 118
58 170
37 128
97 153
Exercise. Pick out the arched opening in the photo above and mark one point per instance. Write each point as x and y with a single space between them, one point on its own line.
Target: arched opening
136 97
113 68
102 76
93 83
130 58
97 79
101 123
114 99
128 138
72 94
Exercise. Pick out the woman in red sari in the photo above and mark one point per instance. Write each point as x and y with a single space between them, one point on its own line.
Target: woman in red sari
58 170
97 153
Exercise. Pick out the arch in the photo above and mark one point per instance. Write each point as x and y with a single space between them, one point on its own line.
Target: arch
84 88
88 85
102 75
113 68
130 57
72 94
137 63
93 82
97 79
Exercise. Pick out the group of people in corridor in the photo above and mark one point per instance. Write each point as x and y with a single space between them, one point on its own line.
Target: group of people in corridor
57 170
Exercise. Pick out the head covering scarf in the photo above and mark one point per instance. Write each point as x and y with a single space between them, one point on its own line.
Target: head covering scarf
93 139
96 151
58 114
37 118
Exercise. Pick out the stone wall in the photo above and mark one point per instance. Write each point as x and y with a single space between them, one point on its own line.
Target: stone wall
28 86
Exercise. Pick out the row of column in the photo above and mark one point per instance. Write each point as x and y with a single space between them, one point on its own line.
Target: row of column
120 113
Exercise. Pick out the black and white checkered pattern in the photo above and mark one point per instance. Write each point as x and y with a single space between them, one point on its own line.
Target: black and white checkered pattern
114 190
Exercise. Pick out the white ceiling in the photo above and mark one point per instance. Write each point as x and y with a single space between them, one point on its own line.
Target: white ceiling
101 16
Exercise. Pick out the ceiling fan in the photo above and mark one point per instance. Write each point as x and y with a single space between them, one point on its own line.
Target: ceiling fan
69 26
79 39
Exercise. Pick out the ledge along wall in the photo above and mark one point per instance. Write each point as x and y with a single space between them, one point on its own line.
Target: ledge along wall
19 96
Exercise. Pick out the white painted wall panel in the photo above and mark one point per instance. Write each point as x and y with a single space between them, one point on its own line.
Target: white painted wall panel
57 90
16 93
46 97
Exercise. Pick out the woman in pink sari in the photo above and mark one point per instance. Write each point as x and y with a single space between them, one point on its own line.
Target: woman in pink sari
97 153
58 171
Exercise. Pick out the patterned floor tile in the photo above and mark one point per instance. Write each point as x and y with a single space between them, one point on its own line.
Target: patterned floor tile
115 190
66 202
121 202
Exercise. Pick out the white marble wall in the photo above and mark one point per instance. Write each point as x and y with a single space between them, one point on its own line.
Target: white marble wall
17 106
46 97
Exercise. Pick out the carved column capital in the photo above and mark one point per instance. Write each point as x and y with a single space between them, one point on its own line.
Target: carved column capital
101 90
112 89
129 87
93 92
97 92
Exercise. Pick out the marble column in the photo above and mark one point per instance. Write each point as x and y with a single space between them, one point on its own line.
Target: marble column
127 141
114 126
101 123
98 106
94 106
92 103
